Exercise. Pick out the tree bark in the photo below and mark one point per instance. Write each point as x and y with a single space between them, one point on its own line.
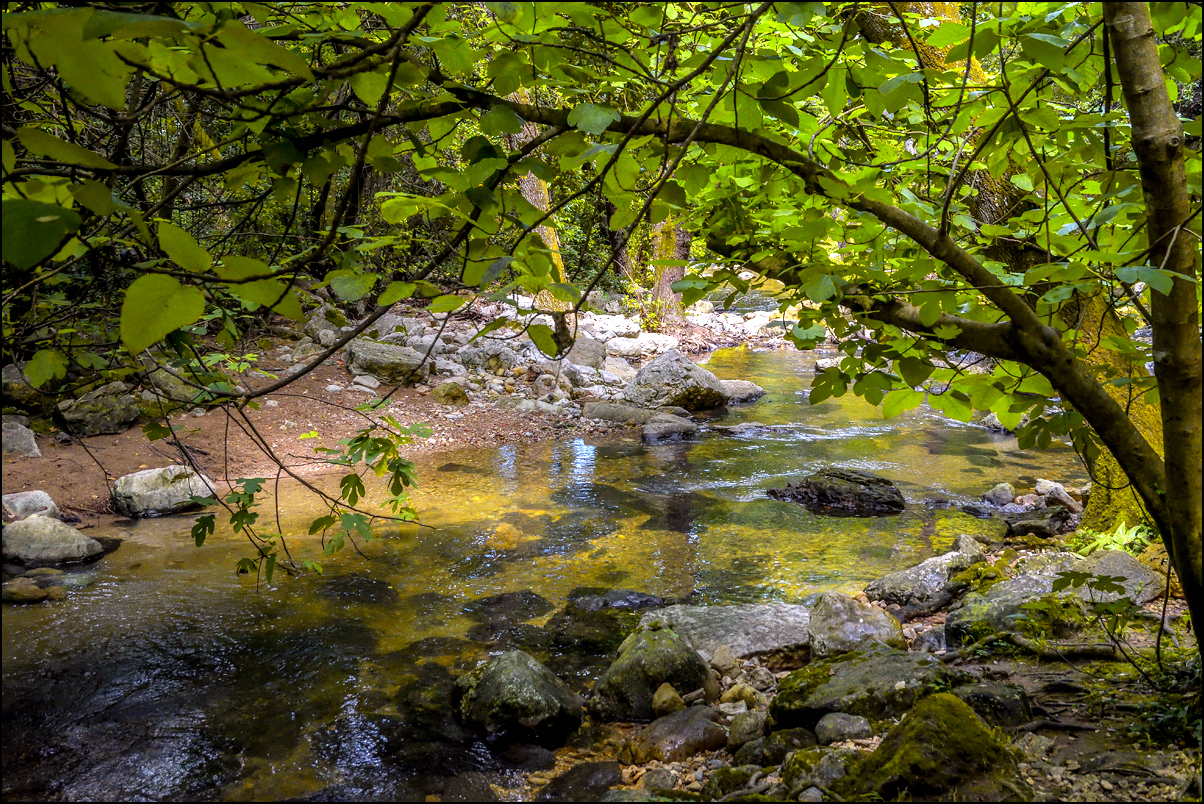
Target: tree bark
1159 146
669 242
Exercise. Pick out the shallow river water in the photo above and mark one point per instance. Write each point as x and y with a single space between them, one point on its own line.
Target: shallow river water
168 677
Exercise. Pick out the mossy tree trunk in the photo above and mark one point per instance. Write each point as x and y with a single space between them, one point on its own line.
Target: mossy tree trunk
669 242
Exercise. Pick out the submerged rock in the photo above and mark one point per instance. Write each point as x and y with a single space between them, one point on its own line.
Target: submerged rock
646 660
941 750
43 540
672 379
837 491
22 590
154 492
840 623
515 697
875 684
598 599
777 633
663 427
675 737
29 503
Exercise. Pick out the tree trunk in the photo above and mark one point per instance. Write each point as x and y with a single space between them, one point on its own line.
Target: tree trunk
617 245
1159 147
669 242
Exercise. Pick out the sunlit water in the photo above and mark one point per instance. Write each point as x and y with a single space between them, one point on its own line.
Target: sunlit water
169 677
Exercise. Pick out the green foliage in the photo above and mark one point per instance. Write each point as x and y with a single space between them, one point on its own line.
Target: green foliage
1132 540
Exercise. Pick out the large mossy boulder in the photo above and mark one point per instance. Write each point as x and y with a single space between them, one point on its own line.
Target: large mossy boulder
928 578
672 379
515 697
941 751
387 362
837 491
108 409
875 684
646 660
39 541
675 737
155 492
840 624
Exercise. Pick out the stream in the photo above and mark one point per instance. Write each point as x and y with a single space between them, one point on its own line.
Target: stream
166 676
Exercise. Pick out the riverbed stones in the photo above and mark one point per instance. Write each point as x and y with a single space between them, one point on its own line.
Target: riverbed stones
38 541
675 737
741 391
672 379
24 504
108 409
325 318
666 427
926 579
839 491
646 660
774 748
666 700
840 624
745 727
619 367
837 726
876 684
941 750
818 766
1000 494
450 393
155 492
390 363
20 440
513 696
777 633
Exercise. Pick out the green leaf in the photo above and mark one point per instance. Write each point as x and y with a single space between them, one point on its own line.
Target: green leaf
46 144
913 371
1045 50
445 304
353 287
269 566
501 120
205 525
950 33
930 312
270 293
32 231
154 305
96 196
155 431
543 338
565 292
592 118
395 292
368 87
1022 181
1161 281
47 364
900 400
183 249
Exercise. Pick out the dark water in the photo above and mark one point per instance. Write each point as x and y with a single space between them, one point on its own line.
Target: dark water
169 677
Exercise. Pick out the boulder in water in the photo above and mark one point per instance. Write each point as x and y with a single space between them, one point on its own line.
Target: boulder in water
588 781
837 491
154 492
926 579
666 427
740 391
42 541
672 379
515 697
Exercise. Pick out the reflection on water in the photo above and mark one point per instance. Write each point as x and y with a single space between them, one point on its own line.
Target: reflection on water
169 677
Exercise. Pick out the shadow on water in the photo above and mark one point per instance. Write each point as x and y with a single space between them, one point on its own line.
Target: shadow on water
171 678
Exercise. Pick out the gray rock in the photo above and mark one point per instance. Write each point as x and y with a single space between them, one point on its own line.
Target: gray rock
777 632
875 684
168 388
486 355
742 429
389 363
724 659
921 582
1001 705
672 379
108 409
676 737
20 440
616 412
24 504
324 319
662 427
516 697
837 491
816 766
1044 522
930 641
1002 494
745 727
44 540
16 418
658 779
619 367
17 389
811 794
646 660
153 492
739 391
450 367
840 623
367 381
587 781
837 726
588 352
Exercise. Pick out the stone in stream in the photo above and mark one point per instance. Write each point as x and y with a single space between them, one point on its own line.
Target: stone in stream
926 579
1001 494
646 660
513 696
24 504
837 491
587 781
617 412
590 599
777 633
742 429
108 409
675 737
941 750
876 684
837 726
386 361
43 540
740 391
154 492
20 440
840 624
22 590
672 379
509 606
662 427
